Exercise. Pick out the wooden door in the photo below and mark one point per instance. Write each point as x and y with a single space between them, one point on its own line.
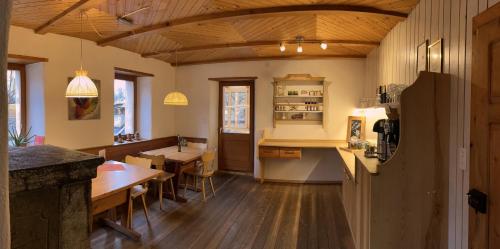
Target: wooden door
236 125
484 228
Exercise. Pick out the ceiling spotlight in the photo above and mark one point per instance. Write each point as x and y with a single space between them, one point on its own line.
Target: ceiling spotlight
299 39
282 47
323 45
299 48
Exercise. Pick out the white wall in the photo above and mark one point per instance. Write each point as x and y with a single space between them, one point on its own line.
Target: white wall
199 119
394 62
63 54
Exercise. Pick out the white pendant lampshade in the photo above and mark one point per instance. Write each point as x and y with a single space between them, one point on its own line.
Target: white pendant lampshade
175 98
81 86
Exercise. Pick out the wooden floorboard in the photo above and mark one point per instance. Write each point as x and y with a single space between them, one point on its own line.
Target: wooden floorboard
243 214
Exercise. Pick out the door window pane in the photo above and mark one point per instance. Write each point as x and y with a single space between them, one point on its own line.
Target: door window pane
236 108
123 107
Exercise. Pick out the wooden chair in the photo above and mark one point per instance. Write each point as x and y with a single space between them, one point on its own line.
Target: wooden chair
159 163
138 190
204 170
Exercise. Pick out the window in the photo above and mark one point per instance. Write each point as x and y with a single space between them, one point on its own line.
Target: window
124 105
15 97
236 110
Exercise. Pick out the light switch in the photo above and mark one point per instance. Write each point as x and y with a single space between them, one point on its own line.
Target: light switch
462 158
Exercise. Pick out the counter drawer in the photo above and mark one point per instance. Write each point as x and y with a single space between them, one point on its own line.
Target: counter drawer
290 153
269 152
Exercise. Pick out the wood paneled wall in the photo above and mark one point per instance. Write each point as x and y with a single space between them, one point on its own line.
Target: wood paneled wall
395 62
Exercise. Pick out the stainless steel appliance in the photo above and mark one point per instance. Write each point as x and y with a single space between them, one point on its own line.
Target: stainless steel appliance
388 137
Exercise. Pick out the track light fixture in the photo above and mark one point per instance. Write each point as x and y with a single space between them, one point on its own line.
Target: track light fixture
299 40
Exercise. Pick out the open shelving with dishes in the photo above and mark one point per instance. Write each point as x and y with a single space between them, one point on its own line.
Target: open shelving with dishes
298 99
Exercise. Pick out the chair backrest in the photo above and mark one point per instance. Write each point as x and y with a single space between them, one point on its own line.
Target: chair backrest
39 140
157 161
137 161
202 146
102 153
208 159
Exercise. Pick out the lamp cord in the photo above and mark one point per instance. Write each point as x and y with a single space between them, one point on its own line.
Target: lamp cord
81 40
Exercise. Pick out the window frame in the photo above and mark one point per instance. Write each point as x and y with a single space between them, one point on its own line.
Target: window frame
22 71
133 79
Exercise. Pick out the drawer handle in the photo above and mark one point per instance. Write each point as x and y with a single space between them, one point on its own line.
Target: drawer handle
290 152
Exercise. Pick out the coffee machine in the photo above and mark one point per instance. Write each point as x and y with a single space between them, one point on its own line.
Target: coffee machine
388 138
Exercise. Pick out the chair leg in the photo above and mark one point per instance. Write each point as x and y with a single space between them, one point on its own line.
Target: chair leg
160 190
212 185
203 188
173 189
195 183
143 197
185 183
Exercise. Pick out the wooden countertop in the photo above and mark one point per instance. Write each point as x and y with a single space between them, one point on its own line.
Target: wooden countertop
349 161
303 143
370 164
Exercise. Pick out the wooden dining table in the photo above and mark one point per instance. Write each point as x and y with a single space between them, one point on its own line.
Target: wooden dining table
111 189
181 161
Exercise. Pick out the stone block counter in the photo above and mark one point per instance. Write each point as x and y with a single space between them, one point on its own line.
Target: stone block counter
50 201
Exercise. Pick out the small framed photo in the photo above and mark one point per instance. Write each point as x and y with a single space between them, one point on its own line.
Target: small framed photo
422 56
356 128
436 56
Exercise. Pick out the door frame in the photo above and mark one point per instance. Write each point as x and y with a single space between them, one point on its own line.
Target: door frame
236 81
479 177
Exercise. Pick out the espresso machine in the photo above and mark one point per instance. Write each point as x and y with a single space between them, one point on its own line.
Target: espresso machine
387 139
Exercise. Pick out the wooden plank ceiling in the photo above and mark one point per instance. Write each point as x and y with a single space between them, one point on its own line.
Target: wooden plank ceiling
204 31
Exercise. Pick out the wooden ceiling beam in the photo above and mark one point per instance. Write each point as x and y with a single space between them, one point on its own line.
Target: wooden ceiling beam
257 44
42 29
286 57
248 13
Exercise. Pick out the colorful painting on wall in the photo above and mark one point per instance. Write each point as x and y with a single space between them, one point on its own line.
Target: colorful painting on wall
85 108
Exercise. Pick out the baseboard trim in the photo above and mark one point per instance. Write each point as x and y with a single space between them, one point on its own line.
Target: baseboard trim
235 172
300 181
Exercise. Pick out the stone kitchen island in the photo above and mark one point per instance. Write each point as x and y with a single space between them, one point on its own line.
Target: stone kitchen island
50 197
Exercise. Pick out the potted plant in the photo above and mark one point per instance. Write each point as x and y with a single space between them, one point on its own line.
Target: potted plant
20 139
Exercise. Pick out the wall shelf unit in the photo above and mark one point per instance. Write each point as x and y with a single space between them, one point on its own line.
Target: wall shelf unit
298 99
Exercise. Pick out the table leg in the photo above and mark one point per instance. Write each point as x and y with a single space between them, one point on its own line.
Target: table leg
127 232
262 171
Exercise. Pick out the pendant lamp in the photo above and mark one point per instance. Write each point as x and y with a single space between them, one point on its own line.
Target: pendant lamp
175 97
81 86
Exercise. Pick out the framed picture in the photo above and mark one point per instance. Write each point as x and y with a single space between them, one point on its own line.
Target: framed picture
436 56
85 108
356 128
422 56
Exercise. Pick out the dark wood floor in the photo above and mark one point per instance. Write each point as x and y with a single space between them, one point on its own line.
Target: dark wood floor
244 214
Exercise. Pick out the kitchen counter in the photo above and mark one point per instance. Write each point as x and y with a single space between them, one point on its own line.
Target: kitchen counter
370 164
349 159
302 143
291 149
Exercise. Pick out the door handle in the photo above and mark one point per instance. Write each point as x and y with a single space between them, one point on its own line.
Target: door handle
220 130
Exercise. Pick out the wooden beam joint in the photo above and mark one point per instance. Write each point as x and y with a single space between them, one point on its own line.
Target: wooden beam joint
42 29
